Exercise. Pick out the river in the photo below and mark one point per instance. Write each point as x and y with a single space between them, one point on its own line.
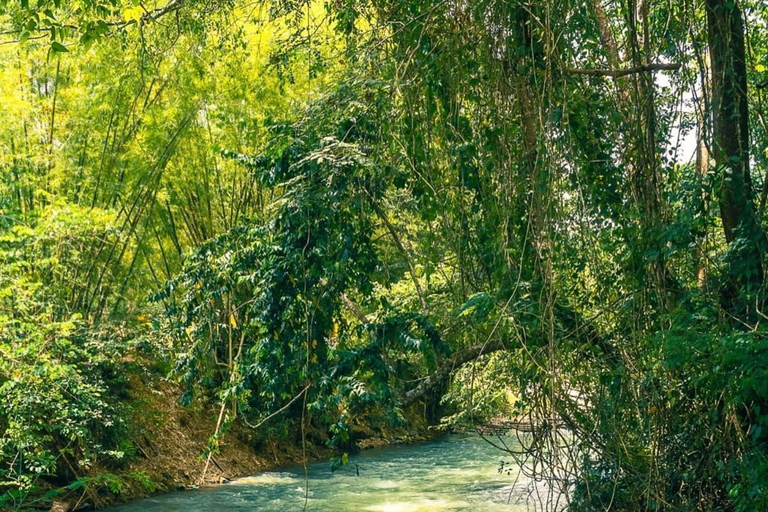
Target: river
456 473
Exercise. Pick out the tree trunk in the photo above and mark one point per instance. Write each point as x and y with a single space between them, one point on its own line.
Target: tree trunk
730 111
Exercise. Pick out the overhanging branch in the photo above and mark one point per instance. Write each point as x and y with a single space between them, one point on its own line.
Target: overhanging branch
149 16
617 73
458 359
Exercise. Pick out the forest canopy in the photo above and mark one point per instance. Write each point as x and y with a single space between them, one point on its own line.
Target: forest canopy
338 213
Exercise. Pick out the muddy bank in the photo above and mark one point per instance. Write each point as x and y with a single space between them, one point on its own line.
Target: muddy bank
170 441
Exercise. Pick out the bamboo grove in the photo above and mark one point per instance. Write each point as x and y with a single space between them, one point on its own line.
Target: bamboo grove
319 215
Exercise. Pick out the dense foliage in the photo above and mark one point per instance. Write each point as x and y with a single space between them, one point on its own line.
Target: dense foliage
327 216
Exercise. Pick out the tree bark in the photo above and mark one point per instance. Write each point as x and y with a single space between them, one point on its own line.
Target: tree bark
460 358
730 111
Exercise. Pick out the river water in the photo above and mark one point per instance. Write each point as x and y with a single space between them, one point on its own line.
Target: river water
456 473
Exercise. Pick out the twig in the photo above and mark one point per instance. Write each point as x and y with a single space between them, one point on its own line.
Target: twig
279 410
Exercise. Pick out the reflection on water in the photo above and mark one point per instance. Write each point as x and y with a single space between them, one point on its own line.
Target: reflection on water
456 473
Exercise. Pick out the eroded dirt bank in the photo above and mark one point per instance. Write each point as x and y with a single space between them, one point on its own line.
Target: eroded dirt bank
170 442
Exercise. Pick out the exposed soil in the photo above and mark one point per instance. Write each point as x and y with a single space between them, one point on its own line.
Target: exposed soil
171 440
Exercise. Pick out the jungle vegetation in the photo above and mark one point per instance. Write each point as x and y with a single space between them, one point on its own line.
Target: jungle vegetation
327 212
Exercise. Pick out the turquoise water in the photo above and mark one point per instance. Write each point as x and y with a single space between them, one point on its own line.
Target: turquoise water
456 473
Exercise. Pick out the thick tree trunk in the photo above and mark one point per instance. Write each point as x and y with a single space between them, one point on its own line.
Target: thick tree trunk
730 111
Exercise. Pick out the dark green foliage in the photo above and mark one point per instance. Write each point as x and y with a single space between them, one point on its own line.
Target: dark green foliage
706 392
478 208
58 376
276 287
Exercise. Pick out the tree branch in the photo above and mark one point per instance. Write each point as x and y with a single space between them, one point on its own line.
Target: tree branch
457 360
355 310
617 73
351 305
392 231
147 17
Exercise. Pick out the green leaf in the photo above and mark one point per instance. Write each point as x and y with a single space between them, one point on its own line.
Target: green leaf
58 47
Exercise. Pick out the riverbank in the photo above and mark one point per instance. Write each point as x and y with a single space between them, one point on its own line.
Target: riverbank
457 473
169 441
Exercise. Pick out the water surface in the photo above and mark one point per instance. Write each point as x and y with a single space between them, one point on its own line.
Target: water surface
456 473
